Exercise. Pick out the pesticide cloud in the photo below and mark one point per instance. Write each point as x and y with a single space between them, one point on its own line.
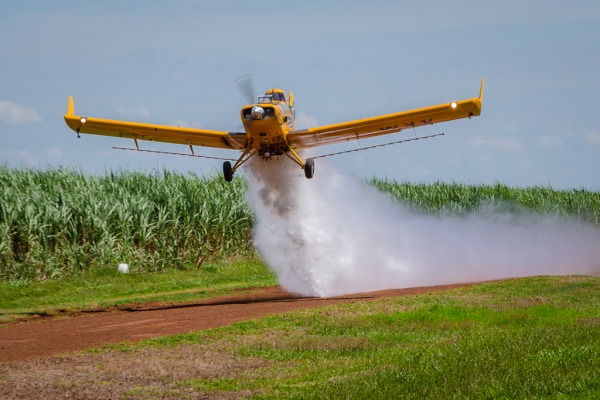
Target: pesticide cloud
333 235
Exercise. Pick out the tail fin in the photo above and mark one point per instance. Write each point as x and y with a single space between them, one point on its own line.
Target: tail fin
71 109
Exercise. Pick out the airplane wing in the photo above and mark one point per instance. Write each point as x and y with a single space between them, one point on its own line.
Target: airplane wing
152 132
385 124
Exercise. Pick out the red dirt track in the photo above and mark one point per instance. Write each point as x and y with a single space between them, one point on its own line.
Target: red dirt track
43 337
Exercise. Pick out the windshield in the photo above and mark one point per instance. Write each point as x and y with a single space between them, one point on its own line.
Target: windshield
265 99
278 96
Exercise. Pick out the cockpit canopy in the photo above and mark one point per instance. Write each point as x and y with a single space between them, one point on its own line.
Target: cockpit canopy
265 99
276 95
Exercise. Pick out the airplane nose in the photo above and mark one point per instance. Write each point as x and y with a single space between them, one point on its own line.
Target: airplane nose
258 112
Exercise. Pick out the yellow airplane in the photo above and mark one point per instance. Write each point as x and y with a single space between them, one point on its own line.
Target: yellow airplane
270 129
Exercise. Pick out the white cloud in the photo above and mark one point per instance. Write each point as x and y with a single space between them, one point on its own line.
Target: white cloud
511 128
139 112
502 144
592 137
23 157
54 152
182 123
16 114
304 121
551 142
194 124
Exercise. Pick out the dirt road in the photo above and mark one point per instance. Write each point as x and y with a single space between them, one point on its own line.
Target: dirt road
43 337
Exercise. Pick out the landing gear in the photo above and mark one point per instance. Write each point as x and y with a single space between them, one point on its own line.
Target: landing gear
309 168
227 171
265 154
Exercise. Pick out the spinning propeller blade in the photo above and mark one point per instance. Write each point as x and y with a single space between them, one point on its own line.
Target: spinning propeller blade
246 87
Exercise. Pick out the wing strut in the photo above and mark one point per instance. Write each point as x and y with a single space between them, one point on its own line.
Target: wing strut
243 158
296 158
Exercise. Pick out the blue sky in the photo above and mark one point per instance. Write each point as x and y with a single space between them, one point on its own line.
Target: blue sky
175 62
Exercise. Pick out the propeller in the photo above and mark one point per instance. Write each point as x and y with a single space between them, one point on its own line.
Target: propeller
245 85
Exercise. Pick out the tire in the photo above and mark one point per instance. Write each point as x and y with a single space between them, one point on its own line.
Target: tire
227 172
309 168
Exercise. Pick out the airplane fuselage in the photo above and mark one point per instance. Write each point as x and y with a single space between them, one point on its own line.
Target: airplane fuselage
268 122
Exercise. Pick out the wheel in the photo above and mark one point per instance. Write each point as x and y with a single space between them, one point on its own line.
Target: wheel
309 168
227 172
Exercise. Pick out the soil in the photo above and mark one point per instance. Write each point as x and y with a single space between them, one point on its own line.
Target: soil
47 336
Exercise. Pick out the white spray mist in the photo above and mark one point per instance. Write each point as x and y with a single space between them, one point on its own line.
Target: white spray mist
333 235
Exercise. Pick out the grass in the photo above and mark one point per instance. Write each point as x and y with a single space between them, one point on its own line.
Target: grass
534 338
528 338
107 287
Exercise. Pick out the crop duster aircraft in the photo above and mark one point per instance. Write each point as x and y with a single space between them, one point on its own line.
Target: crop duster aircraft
270 128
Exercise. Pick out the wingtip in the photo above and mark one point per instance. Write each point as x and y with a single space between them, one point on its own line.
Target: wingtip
71 108
481 89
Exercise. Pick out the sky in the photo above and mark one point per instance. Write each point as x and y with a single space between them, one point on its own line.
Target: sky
176 62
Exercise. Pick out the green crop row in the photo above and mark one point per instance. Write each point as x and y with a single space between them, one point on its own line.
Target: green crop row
464 199
58 222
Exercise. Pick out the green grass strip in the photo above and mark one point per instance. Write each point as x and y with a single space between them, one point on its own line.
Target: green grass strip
534 338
